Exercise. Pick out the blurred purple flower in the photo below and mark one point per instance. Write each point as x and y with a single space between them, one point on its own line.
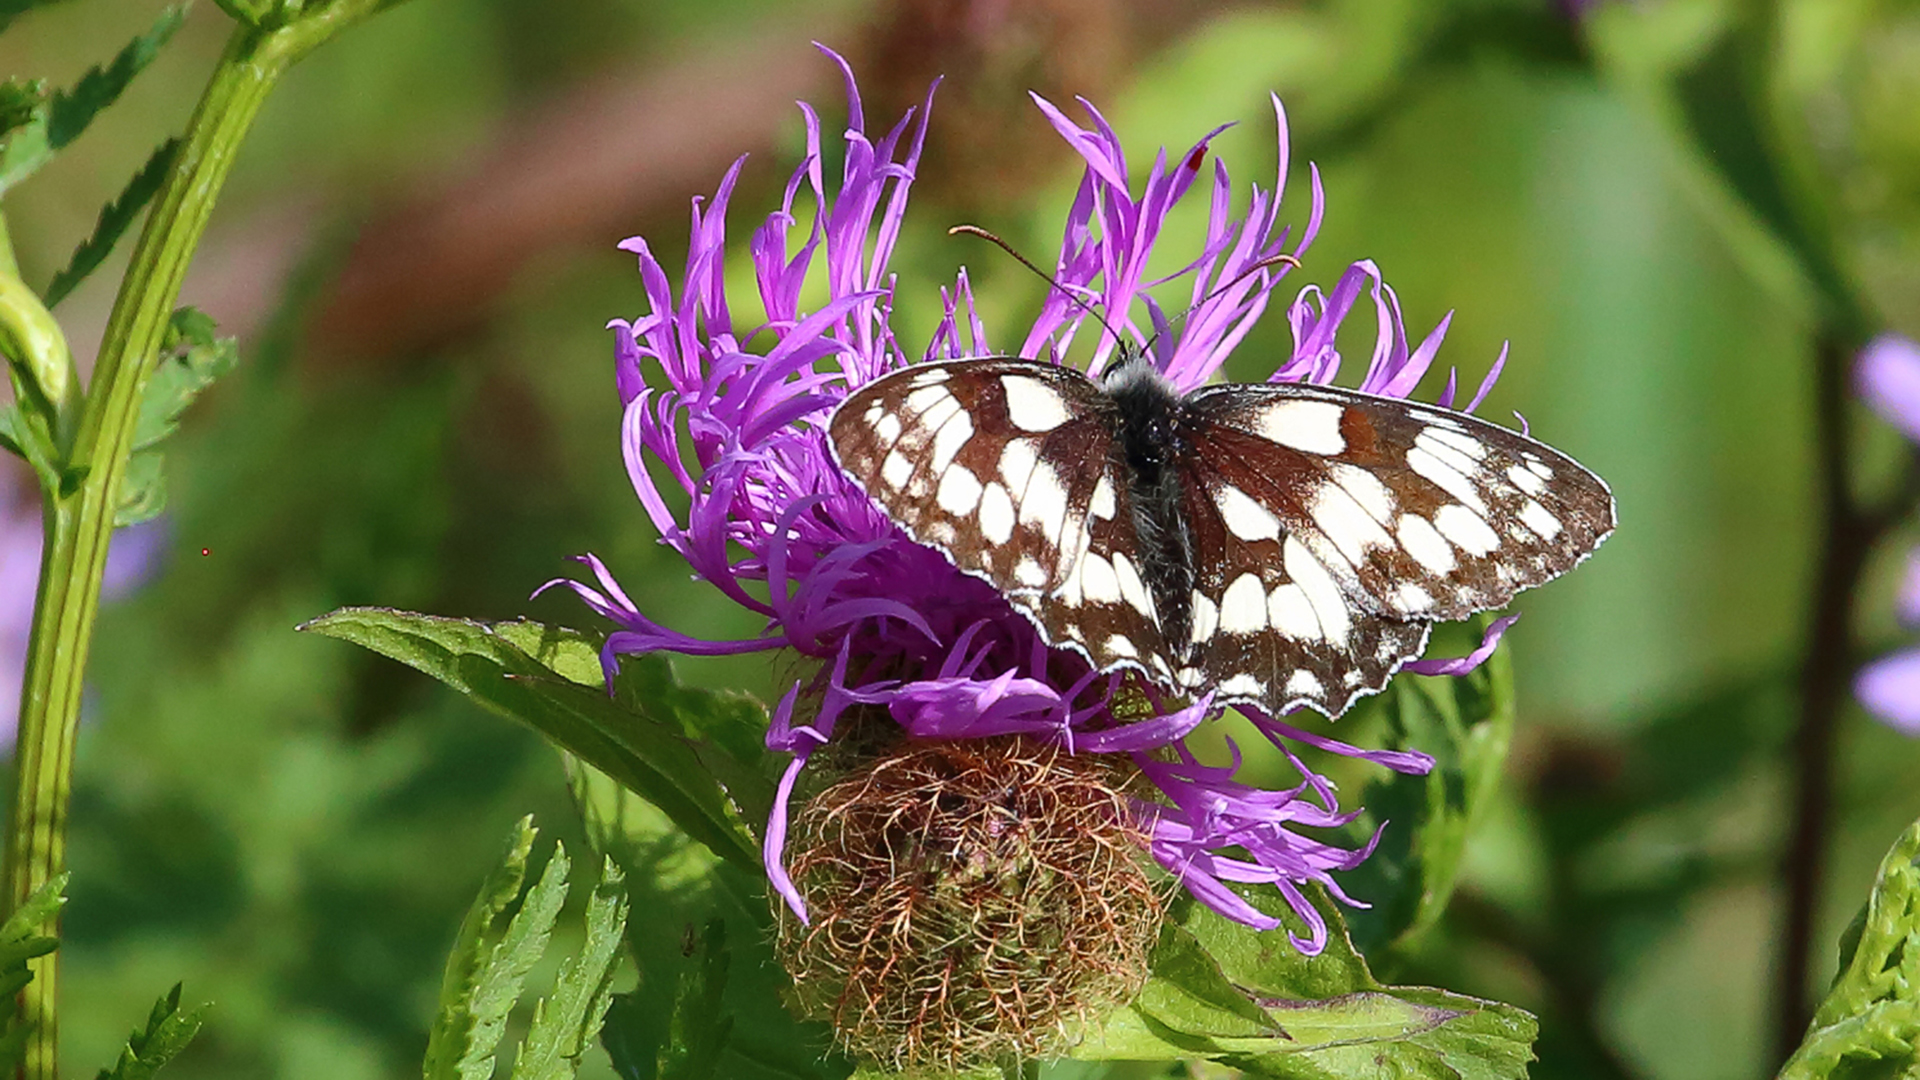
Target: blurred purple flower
1887 378
130 560
735 428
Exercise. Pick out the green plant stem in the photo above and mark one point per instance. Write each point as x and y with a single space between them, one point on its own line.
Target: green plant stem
79 512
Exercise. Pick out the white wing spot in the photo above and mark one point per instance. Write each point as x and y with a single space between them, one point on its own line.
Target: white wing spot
996 514
1468 530
875 411
1243 607
949 439
1446 477
887 427
1411 598
1304 683
1029 572
1243 685
1017 460
1459 440
1310 426
896 470
1426 545
1291 613
1206 617
1132 589
1102 505
941 532
1044 502
1540 520
926 397
1434 443
1538 468
1189 677
959 492
1337 514
1366 489
1097 580
1121 646
1032 405
1526 479
1329 603
1245 518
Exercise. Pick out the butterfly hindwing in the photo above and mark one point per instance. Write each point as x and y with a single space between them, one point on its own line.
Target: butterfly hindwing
1270 622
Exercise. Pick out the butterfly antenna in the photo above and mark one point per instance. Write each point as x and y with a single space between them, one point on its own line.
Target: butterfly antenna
975 230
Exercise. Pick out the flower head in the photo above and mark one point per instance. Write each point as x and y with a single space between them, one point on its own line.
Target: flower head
729 421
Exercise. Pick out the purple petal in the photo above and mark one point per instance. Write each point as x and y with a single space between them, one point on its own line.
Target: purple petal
1887 378
1890 689
1463 664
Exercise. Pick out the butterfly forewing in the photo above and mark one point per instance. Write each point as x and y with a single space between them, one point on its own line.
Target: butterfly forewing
1271 622
1419 512
1003 465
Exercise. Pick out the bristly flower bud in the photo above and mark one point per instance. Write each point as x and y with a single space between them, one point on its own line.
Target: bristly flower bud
971 900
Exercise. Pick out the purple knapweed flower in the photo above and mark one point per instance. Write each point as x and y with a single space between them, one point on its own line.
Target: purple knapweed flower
734 422
1887 378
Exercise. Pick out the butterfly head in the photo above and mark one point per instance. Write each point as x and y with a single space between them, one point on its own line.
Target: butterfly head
1148 406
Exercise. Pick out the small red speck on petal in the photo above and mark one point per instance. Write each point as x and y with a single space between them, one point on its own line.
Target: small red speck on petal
1194 159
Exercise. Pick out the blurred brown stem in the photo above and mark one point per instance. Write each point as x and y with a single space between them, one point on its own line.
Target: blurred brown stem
1848 535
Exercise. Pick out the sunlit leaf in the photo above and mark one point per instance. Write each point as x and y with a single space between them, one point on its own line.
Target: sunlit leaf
566 1021
1869 1024
115 218
168 1032
487 969
1466 724
648 749
1317 1016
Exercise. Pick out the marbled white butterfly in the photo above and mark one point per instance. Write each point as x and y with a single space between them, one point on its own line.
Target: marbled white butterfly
1282 544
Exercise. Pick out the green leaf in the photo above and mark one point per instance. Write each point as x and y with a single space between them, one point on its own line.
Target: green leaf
485 973
682 886
1869 1023
456 1027
62 117
1316 1016
115 218
192 358
701 1025
70 111
1466 724
20 942
651 747
565 1023
168 1032
20 102
143 489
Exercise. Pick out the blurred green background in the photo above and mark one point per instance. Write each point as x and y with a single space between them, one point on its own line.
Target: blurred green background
417 251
